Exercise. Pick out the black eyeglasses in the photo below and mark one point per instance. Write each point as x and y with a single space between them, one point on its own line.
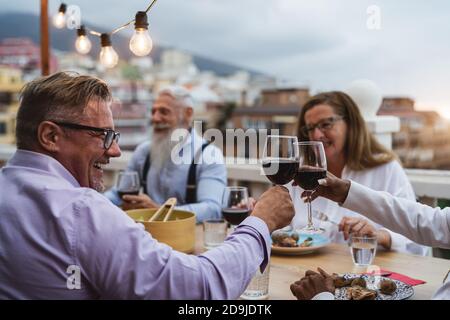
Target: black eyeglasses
110 134
324 125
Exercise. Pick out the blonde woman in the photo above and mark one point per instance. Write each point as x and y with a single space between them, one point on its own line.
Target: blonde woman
352 153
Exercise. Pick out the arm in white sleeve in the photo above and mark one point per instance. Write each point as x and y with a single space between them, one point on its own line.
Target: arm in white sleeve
418 222
400 243
443 292
398 184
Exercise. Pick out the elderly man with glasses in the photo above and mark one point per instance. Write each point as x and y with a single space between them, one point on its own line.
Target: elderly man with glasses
61 239
177 162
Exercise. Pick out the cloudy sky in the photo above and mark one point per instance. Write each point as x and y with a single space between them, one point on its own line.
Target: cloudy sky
322 44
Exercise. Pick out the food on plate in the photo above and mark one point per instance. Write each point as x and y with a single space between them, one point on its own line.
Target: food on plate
359 282
285 239
288 242
278 236
356 288
360 293
387 286
307 242
340 282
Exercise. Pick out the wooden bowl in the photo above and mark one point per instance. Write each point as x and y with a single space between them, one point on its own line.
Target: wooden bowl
178 232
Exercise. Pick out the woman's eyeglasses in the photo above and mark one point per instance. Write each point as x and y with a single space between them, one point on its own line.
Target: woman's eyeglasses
323 126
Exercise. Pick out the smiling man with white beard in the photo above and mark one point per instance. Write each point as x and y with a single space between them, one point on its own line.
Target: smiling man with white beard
197 187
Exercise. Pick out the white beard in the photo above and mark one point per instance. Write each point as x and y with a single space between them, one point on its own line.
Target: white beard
160 149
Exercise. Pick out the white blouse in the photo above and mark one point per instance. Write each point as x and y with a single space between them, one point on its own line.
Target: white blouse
389 177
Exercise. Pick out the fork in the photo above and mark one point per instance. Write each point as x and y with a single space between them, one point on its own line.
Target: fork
323 217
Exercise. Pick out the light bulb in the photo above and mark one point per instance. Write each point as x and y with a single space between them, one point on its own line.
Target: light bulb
83 44
59 20
108 57
141 44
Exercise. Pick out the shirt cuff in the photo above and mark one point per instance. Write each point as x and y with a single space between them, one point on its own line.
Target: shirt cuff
396 243
324 296
261 227
355 193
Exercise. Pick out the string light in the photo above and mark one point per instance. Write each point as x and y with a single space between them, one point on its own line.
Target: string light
140 43
108 56
59 19
82 44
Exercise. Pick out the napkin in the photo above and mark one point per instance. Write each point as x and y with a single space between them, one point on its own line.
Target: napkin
397 276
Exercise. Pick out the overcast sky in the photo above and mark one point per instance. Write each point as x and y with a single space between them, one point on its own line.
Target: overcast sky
322 44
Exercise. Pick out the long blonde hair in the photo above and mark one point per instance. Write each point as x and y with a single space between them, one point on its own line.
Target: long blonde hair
362 150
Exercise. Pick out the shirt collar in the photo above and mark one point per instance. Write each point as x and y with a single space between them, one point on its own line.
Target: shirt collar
40 161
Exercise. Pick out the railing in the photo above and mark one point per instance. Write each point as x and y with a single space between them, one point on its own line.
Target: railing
428 184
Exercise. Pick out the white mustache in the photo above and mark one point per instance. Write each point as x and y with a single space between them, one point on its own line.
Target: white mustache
160 126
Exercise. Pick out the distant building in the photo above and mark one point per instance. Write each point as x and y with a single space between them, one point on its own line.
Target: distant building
24 54
10 86
73 61
275 109
174 65
284 97
424 137
132 120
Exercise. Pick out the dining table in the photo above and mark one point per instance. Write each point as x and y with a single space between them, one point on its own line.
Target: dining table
336 258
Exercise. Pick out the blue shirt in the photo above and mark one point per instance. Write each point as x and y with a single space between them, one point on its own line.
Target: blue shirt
50 227
171 180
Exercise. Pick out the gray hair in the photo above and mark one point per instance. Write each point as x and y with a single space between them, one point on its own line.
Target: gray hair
180 94
60 96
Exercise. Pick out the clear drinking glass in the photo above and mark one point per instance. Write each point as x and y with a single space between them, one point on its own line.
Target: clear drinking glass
258 289
128 183
363 249
280 158
214 232
312 167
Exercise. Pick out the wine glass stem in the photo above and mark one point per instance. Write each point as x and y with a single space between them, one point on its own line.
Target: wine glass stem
310 224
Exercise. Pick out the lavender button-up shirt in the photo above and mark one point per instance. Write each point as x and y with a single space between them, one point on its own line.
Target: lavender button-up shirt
61 241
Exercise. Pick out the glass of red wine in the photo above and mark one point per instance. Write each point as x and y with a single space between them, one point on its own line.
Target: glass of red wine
280 158
235 205
312 167
128 183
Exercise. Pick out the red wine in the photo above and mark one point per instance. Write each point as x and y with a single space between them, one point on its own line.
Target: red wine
235 216
286 170
127 192
308 177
